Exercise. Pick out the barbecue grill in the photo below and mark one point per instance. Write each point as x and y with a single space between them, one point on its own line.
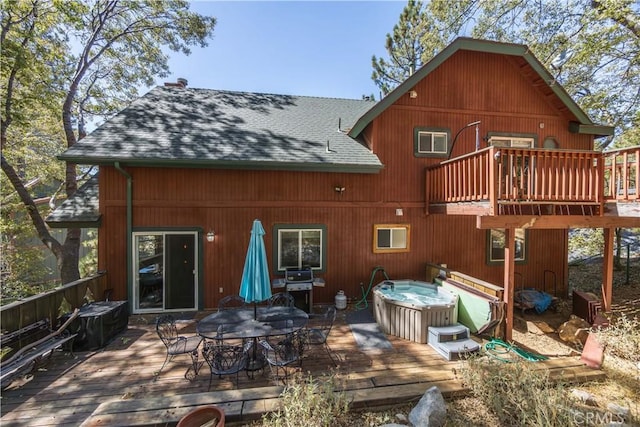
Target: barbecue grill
299 282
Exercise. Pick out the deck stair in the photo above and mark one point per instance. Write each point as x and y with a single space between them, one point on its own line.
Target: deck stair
452 341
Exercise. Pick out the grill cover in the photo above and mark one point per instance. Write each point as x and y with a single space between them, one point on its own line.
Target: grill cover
98 323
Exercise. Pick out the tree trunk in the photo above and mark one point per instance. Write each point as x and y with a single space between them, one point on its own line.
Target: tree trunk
68 263
64 253
617 264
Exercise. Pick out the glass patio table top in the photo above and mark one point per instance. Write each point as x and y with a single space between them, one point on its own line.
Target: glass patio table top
240 322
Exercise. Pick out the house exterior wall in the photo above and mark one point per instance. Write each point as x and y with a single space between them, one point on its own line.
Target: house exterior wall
467 87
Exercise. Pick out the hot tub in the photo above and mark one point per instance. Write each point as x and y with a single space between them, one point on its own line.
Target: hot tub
406 308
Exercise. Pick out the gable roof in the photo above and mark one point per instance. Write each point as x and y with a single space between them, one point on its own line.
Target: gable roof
81 210
184 127
538 73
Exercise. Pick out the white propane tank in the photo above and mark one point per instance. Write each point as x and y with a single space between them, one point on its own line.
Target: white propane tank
341 300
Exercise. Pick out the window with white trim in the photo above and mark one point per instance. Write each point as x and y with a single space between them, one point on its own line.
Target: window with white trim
391 238
431 142
300 246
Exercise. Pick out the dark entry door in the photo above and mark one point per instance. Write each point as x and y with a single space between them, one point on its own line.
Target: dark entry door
180 271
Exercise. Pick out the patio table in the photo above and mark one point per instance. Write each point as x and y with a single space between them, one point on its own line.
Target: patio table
239 323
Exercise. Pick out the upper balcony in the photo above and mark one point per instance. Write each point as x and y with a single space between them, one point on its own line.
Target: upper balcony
513 181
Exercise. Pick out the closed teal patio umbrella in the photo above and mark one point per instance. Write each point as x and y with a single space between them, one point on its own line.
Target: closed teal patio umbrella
256 285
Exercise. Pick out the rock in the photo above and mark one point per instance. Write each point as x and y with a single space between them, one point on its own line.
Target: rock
544 327
431 410
532 328
583 396
574 331
618 410
402 418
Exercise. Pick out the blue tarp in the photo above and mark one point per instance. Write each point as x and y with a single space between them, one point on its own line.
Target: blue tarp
531 298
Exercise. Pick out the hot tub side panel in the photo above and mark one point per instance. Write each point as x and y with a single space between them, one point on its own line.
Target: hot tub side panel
407 323
411 323
380 313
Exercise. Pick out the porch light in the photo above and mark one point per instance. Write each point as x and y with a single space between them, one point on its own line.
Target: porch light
211 236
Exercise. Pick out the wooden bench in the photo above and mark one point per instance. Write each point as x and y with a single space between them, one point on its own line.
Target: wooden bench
29 356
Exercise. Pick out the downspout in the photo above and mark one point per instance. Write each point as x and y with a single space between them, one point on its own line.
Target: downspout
129 229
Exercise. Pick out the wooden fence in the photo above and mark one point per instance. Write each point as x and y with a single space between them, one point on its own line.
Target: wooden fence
48 304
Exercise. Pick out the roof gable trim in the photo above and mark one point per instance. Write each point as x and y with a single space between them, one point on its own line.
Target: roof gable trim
465 43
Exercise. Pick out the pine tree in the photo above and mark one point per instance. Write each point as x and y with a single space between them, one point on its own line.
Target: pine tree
409 47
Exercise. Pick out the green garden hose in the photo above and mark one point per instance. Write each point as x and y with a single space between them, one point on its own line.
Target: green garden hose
362 304
497 349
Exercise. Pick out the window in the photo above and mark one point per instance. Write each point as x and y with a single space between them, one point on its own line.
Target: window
496 241
514 141
298 246
431 142
391 238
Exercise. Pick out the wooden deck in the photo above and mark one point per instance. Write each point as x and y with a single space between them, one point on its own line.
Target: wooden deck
116 386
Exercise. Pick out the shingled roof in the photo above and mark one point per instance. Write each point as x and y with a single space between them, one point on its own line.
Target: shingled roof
176 127
81 210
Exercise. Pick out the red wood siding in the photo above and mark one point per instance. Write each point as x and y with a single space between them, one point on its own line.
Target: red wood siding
467 87
350 258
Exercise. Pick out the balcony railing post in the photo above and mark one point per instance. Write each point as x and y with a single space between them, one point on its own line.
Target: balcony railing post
600 181
493 180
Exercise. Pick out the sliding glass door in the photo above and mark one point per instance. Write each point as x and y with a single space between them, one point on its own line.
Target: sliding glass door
165 271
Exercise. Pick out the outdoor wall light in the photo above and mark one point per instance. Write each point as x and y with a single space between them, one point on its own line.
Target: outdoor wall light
211 236
339 189
413 94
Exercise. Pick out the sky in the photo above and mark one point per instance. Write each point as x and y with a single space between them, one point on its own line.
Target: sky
309 48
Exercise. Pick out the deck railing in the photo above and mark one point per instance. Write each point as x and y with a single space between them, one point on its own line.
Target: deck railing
47 304
621 174
500 175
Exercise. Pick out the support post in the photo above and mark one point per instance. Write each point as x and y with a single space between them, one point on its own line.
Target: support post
509 279
607 268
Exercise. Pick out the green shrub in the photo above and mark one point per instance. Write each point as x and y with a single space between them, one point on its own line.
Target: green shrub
310 403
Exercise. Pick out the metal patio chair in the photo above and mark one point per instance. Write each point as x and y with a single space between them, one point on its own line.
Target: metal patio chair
231 302
280 351
224 359
284 299
317 331
177 344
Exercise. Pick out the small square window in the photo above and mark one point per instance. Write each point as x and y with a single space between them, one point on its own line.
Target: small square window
431 142
390 238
